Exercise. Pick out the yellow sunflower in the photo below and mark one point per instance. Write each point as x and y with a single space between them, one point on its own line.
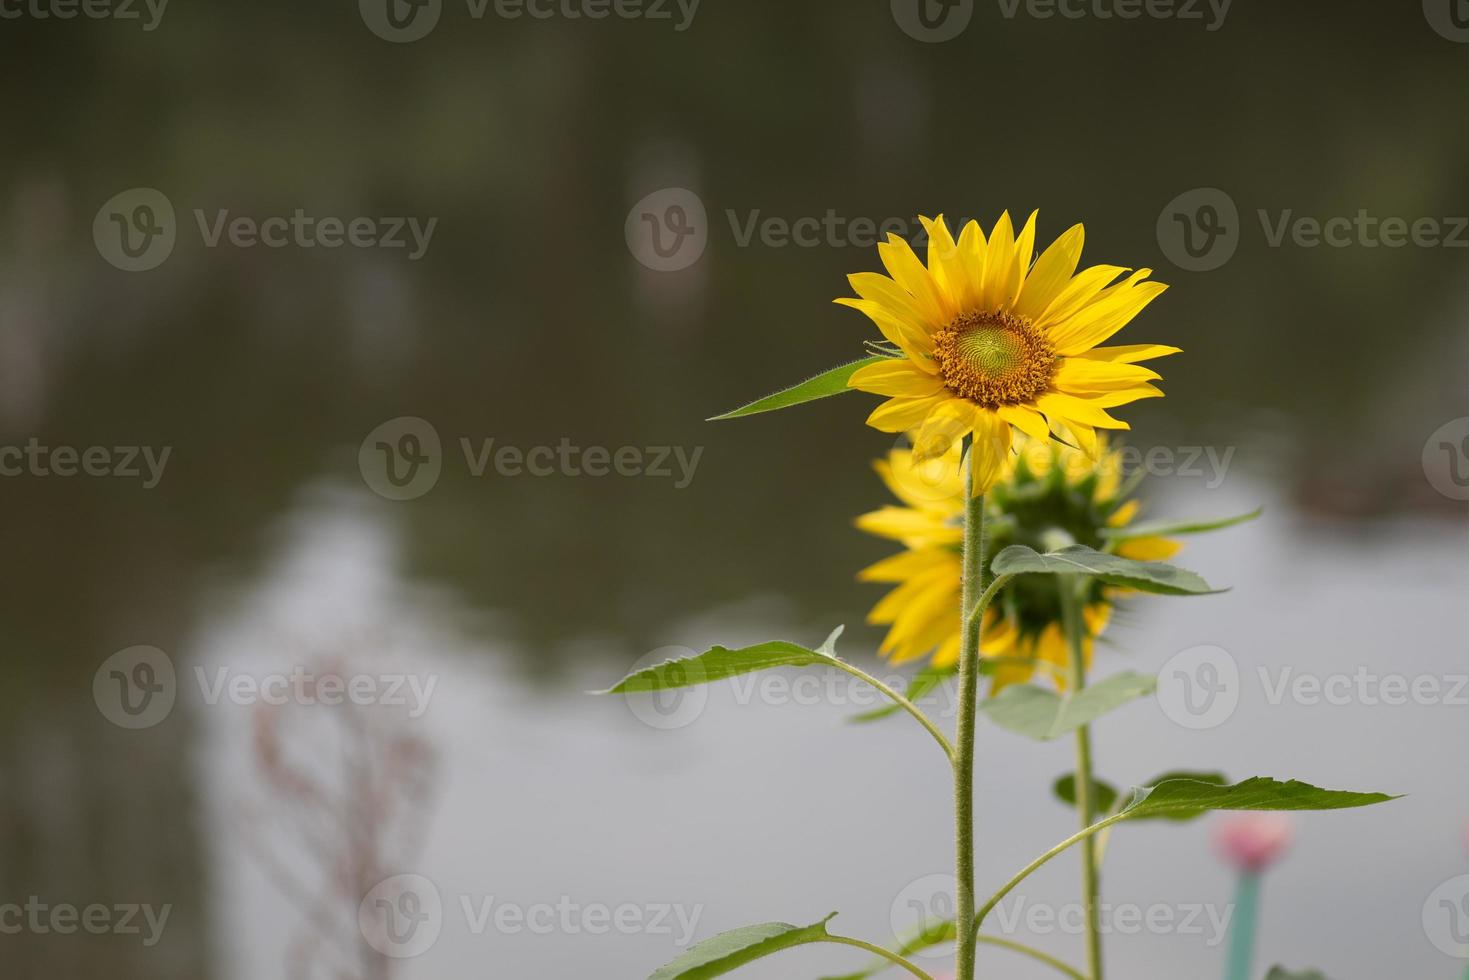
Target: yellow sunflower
985 340
1044 487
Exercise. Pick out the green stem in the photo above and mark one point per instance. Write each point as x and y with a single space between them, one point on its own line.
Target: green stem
1242 932
972 593
1030 868
1071 616
1033 953
901 702
886 954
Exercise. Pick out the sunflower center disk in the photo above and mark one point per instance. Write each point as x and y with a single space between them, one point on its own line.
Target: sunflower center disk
994 359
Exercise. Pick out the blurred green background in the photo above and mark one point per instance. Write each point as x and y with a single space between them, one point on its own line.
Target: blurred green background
529 320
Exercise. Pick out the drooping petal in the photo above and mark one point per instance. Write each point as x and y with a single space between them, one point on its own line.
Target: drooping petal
990 453
908 525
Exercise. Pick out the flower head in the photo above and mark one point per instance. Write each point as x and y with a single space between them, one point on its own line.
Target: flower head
1253 841
1044 489
987 341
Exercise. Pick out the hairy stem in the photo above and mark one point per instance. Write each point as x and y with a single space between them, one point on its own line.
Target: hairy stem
1085 799
972 591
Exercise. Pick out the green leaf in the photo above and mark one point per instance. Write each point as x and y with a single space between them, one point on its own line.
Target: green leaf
1038 713
1194 796
1281 973
823 385
1164 529
730 950
1212 778
1148 576
718 663
931 934
1104 795
918 686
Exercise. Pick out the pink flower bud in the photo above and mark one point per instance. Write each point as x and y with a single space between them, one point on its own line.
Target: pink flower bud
1252 841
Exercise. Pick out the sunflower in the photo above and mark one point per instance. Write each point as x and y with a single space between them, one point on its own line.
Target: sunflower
984 341
1045 487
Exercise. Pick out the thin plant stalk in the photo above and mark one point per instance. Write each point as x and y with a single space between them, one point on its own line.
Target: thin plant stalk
1242 932
972 590
1085 797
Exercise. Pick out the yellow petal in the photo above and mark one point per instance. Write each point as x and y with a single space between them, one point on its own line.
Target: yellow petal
1112 310
990 453
1123 516
1081 290
906 564
896 377
902 414
909 335
1053 270
949 423
1149 549
898 258
1129 353
909 524
879 288
1024 252
972 250
1027 420
999 264
947 655
1069 408
1086 378
945 264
